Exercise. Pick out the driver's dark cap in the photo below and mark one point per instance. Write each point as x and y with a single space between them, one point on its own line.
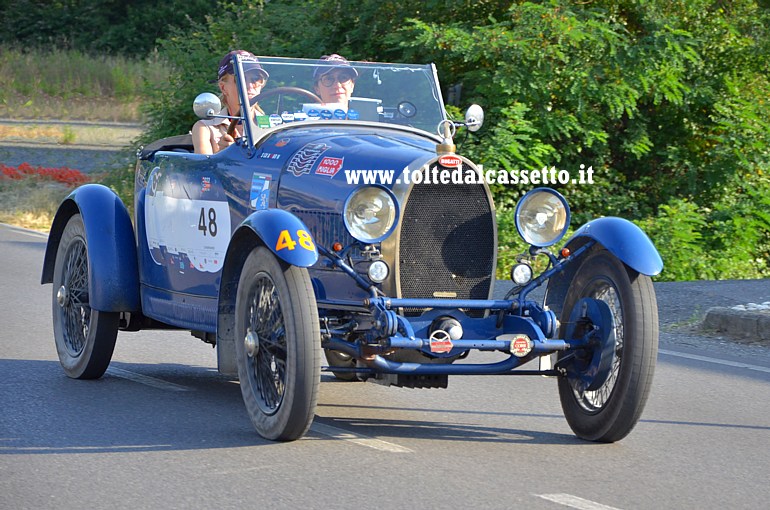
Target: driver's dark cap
331 62
248 61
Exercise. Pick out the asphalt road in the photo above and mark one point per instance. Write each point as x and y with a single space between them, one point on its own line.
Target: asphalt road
163 430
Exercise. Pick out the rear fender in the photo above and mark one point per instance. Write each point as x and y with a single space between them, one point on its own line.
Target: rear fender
113 284
620 237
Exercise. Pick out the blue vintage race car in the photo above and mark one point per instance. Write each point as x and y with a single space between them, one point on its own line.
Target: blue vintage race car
272 251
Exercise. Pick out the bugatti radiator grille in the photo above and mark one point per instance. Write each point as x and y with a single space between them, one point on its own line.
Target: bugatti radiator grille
447 242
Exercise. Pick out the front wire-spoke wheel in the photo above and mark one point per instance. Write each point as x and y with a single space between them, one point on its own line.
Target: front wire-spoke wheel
85 338
277 339
608 413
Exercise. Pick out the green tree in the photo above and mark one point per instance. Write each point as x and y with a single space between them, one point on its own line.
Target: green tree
631 88
97 26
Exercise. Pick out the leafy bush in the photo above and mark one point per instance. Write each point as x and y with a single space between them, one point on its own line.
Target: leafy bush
121 180
663 100
676 233
730 240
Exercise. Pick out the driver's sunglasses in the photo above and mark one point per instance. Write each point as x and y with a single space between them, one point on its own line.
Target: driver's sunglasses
330 79
254 77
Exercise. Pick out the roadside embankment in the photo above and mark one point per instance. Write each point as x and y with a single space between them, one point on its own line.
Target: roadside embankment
85 146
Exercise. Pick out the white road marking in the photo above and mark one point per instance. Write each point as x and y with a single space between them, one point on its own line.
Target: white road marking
358 439
716 361
575 502
146 380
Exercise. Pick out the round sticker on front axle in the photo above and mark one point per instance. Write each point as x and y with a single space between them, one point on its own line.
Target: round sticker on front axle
440 341
521 345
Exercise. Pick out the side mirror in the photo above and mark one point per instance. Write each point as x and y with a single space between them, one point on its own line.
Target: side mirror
207 105
474 117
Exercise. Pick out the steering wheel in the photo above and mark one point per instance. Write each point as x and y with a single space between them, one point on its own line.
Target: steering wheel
285 90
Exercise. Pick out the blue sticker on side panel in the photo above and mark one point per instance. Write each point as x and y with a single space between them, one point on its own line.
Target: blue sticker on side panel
339 113
326 114
353 115
260 191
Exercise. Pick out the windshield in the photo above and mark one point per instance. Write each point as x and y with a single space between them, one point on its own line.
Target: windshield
299 90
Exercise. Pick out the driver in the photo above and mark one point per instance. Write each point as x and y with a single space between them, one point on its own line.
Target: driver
212 135
334 80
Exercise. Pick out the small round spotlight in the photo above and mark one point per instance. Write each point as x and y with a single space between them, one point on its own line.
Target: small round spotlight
378 271
521 274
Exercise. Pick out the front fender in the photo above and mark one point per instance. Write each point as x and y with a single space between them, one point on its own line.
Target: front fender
626 241
621 238
113 275
284 234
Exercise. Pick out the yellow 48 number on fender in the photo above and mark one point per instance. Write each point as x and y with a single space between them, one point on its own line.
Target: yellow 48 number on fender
286 241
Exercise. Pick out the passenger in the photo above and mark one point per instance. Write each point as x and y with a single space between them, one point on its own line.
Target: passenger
334 81
212 135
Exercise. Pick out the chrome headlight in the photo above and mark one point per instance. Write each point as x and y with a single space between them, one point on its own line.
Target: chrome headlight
370 214
542 217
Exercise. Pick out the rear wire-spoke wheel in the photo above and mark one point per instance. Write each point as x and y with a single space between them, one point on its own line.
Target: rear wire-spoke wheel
277 342
608 413
85 338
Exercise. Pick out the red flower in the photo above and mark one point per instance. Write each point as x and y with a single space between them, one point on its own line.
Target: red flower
64 175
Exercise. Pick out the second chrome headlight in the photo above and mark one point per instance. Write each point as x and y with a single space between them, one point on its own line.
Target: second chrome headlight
370 213
542 217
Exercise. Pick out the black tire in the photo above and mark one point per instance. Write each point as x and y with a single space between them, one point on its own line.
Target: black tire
85 338
610 412
340 359
277 345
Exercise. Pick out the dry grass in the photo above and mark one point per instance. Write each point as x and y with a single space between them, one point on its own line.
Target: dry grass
17 131
73 85
39 222
68 134
42 106
30 203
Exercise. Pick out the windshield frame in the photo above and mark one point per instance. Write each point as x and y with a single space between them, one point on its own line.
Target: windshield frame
425 117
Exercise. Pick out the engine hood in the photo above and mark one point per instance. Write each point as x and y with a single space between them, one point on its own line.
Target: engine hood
320 165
